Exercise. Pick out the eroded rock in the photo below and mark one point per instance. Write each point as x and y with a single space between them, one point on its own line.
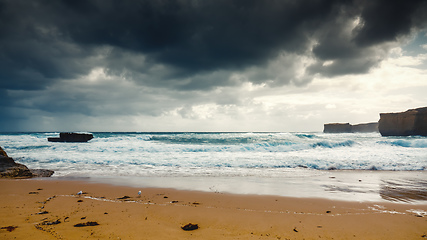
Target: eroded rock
10 169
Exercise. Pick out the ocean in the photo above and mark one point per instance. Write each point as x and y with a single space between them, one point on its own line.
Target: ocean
353 166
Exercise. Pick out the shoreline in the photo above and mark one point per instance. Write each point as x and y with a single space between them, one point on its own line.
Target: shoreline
341 185
159 213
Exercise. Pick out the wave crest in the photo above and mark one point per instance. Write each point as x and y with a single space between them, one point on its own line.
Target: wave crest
413 143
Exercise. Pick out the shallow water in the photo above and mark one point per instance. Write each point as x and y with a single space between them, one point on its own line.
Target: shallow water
286 164
362 186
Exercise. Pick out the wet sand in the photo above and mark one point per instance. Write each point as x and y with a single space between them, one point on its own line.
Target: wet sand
52 209
344 185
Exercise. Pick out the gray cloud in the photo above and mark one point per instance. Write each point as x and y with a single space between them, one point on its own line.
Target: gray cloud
384 21
185 48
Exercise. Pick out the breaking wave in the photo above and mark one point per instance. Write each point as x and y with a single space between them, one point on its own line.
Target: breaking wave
216 154
415 143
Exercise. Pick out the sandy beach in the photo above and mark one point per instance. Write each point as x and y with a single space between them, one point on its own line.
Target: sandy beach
53 209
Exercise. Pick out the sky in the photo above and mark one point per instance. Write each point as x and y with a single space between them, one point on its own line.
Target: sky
208 65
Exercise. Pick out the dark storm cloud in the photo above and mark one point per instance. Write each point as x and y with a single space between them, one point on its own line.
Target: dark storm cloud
197 35
365 46
47 40
384 20
33 54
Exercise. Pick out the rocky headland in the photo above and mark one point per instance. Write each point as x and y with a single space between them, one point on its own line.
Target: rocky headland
408 123
10 169
412 122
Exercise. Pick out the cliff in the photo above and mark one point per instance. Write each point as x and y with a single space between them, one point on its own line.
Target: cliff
348 128
411 122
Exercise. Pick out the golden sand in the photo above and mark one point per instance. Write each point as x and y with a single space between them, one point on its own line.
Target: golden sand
52 209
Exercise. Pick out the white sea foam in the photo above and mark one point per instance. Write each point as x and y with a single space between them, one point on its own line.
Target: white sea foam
216 154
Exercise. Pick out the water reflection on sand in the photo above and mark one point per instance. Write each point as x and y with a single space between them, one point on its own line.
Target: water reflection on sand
347 185
404 190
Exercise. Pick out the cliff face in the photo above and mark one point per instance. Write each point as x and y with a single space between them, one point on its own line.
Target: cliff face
348 128
337 128
421 122
411 122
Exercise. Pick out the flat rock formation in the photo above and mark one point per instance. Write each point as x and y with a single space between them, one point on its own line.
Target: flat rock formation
41 172
411 122
348 128
72 137
10 169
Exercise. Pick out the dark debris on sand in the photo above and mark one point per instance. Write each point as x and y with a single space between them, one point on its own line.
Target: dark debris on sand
86 224
51 223
124 197
190 227
9 228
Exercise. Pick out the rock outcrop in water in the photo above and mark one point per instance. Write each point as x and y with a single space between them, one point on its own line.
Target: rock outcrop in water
411 122
348 128
72 137
10 169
